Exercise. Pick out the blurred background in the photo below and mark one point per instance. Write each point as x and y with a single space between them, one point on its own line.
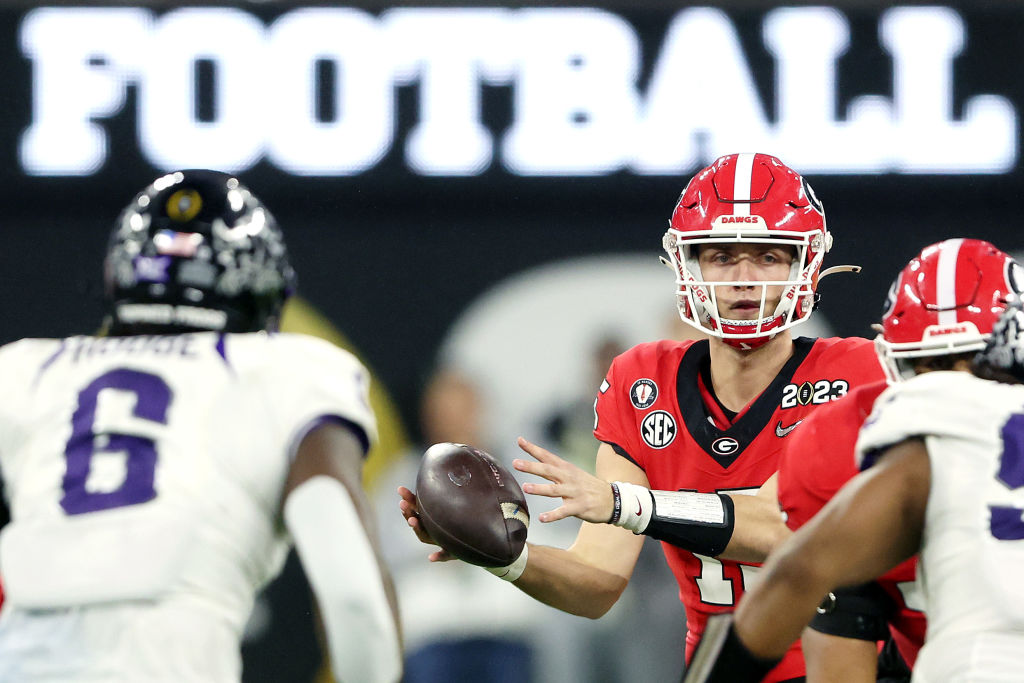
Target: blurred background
474 196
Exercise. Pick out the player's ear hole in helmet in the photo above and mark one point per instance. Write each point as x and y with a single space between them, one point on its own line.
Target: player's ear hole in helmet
196 251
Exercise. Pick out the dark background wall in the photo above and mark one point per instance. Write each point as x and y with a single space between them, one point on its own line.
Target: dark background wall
392 256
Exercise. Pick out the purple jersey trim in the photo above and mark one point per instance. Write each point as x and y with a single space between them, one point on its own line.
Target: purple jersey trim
359 432
49 361
222 350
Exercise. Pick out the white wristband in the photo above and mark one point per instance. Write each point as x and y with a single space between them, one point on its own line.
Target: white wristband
637 507
513 571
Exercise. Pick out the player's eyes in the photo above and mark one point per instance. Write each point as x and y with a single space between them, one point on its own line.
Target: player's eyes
773 258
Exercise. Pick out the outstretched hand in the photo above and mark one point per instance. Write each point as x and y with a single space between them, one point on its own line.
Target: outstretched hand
583 495
408 507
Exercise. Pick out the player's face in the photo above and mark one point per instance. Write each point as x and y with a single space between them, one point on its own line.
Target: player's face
745 264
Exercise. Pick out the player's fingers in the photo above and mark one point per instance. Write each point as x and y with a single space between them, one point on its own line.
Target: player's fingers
541 454
440 556
408 509
539 469
555 515
421 533
549 490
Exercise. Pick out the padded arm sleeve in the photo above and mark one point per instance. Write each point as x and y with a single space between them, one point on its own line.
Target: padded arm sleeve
699 522
859 612
342 569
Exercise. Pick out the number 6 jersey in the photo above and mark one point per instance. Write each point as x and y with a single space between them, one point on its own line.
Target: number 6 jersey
144 476
655 409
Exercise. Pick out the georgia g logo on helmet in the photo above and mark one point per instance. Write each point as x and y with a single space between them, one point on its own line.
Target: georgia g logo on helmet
811 197
1014 277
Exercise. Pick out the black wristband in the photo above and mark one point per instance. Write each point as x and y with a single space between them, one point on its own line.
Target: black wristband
616 504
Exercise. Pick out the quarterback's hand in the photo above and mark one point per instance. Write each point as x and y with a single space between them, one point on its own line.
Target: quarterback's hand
583 495
408 507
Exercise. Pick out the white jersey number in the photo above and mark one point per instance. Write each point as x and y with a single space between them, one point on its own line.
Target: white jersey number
715 587
152 399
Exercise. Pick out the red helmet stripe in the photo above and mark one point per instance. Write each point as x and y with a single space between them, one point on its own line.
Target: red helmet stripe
946 280
741 184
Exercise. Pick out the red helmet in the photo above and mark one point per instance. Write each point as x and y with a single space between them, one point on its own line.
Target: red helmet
945 301
748 198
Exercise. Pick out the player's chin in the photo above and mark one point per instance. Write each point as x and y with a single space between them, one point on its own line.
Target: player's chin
742 313
747 312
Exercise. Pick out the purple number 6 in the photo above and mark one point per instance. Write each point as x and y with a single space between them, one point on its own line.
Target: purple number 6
1006 522
152 398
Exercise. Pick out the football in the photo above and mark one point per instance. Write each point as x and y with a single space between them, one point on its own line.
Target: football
470 505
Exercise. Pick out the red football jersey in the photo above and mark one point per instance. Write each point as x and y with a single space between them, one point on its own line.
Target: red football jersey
815 464
652 411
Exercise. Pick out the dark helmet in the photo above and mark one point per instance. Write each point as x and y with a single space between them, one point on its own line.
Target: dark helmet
1003 356
196 251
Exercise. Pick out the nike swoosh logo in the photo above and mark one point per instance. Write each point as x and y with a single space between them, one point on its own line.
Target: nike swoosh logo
781 431
639 507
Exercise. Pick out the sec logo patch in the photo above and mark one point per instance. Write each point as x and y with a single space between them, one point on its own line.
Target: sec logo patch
643 393
658 429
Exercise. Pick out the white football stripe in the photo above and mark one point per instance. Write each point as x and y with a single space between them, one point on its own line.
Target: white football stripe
513 511
741 184
945 296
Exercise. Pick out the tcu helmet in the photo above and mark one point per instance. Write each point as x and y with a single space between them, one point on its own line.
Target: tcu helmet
945 301
196 251
1004 350
747 198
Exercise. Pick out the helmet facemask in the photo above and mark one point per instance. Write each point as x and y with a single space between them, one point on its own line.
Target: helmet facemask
697 299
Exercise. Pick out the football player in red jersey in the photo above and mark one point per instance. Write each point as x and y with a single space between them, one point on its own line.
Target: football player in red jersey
941 309
926 488
702 422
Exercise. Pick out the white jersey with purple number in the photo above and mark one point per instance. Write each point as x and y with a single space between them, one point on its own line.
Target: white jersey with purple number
973 547
144 478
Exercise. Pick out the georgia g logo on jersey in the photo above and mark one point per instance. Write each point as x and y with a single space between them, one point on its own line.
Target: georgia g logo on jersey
658 429
725 445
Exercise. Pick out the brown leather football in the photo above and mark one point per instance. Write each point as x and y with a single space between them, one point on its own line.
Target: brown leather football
472 506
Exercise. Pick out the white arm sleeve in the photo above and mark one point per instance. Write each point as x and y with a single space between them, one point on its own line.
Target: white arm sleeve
343 572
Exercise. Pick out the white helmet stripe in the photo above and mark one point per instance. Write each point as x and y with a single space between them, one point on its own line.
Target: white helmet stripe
945 297
741 184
